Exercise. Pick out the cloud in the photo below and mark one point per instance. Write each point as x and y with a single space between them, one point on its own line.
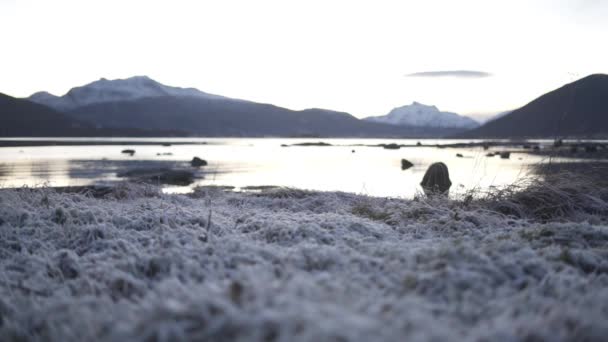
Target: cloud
451 73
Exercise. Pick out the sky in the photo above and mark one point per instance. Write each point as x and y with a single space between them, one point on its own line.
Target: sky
473 57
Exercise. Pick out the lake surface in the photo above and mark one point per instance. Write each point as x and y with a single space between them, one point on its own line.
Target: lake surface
241 162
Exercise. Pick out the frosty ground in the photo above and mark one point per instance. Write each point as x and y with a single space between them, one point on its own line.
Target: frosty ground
292 265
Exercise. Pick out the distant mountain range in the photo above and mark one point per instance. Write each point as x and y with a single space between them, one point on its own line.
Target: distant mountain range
419 115
107 91
140 106
578 110
203 117
142 103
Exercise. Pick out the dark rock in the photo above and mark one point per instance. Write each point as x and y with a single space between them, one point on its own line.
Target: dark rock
505 155
198 162
491 154
166 144
391 146
320 143
558 143
436 180
536 148
128 151
406 164
353 151
459 155
526 146
419 144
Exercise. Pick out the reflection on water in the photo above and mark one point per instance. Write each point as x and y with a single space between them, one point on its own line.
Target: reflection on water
257 162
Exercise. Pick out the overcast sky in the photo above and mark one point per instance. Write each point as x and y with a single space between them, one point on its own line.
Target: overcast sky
364 57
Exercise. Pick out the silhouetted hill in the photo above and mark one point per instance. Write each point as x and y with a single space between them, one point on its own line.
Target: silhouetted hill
228 117
578 109
22 118
142 103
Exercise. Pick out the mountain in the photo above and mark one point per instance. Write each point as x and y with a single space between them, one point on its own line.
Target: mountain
22 118
142 103
419 115
225 117
578 109
104 91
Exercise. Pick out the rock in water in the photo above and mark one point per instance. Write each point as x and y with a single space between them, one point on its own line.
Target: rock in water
459 155
406 164
391 146
436 180
505 155
128 151
198 162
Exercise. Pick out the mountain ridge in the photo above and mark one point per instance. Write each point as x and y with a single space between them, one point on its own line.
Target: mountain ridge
104 90
203 117
420 115
23 118
142 103
576 109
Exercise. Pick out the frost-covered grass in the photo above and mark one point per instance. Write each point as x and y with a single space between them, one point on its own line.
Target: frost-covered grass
292 265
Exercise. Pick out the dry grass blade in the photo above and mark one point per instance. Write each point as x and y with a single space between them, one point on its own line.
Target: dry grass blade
551 196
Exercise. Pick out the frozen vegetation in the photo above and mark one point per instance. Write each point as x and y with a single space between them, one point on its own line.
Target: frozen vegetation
292 265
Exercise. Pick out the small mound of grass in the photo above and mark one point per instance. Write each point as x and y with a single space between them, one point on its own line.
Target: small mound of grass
550 196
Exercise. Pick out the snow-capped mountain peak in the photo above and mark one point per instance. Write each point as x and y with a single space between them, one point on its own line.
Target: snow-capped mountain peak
104 90
420 115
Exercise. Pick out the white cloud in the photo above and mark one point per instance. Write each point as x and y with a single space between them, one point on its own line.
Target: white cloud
451 73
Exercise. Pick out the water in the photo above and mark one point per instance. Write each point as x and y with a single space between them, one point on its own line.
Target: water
241 162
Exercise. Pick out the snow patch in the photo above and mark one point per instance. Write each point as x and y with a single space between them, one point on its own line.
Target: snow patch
420 115
104 90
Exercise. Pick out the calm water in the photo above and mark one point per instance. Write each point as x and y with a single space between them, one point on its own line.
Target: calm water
253 162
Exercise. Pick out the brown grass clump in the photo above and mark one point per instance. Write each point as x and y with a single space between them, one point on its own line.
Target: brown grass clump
550 195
